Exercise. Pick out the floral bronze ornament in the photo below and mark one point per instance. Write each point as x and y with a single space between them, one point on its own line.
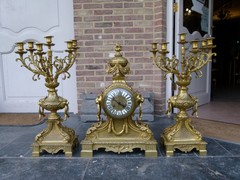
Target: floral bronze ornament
183 135
119 133
55 137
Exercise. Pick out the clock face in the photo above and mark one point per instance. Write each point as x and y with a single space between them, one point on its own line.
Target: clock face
118 103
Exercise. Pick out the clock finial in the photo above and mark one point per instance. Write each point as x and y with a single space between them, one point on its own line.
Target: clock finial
118 49
118 65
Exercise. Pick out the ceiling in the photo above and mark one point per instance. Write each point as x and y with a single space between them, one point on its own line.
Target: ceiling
226 9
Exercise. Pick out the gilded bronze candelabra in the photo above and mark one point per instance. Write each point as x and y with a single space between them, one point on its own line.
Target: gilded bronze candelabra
55 137
182 135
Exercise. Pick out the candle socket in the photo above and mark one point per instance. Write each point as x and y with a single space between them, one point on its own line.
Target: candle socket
164 46
39 46
20 46
182 38
48 39
69 44
154 46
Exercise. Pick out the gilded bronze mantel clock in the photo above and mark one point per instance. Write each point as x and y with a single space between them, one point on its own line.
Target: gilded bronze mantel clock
119 133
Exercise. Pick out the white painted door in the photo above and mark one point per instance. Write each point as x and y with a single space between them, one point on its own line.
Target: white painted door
23 20
194 17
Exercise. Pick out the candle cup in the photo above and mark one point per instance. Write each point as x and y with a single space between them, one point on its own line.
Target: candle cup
69 44
154 46
164 46
20 46
194 44
49 39
210 41
182 37
39 46
204 43
30 45
74 43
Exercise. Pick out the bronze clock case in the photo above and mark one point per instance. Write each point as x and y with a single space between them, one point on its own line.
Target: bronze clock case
119 133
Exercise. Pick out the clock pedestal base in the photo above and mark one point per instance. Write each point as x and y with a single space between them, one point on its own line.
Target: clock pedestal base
131 135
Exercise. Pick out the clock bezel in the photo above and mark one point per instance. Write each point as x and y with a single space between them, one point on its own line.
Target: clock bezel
113 115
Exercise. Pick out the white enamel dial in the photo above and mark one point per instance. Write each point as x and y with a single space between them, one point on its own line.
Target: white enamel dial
118 103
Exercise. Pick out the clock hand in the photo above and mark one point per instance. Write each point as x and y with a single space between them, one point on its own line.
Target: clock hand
123 105
119 103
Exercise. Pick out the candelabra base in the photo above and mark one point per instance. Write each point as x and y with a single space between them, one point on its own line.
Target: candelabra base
184 137
134 136
54 138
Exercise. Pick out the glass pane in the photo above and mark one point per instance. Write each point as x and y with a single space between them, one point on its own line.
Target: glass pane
195 15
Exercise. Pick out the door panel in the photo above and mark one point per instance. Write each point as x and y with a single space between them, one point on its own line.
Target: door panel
194 18
25 20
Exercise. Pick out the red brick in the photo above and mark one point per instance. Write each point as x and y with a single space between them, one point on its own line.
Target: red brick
108 36
124 36
95 78
93 54
143 36
113 30
113 18
84 37
113 5
127 48
123 24
149 17
92 6
104 24
134 42
103 12
135 78
77 6
94 67
93 18
77 19
84 73
93 31
93 43
134 30
133 5
133 17
86 49
149 4
134 54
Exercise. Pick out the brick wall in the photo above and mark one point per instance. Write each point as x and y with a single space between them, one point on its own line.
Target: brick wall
100 24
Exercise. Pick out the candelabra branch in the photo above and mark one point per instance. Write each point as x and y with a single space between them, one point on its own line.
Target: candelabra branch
63 65
200 62
169 66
